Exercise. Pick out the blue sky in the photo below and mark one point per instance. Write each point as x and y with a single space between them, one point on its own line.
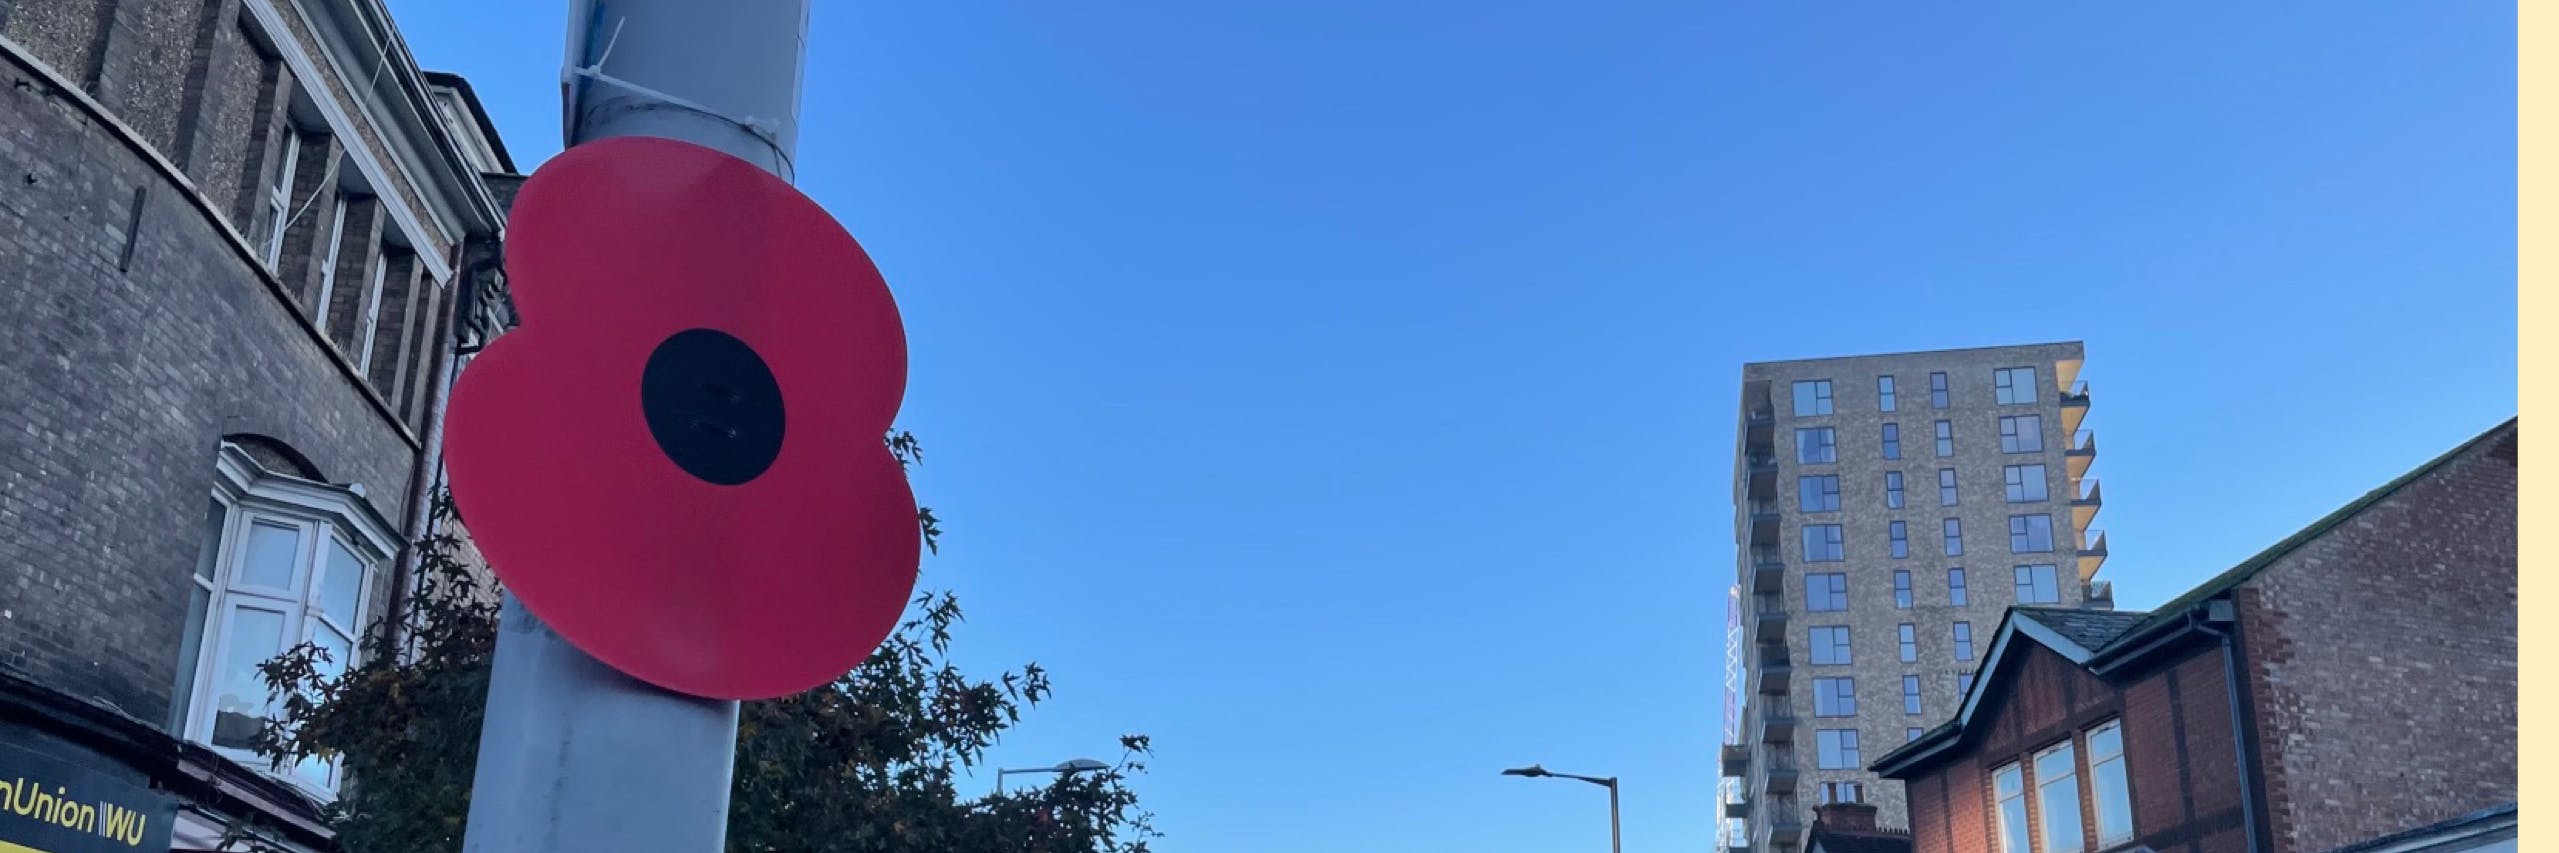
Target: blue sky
1340 391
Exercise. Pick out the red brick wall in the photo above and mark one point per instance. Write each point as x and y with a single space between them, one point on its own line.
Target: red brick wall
1927 808
2381 660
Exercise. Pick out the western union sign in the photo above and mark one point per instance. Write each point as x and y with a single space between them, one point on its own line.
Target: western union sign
53 806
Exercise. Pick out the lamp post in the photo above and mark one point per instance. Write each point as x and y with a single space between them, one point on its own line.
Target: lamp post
1063 768
1535 771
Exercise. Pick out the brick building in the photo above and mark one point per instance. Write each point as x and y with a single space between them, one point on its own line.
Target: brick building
2353 683
238 239
1888 508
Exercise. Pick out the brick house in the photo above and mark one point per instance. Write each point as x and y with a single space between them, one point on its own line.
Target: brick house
238 242
2350 688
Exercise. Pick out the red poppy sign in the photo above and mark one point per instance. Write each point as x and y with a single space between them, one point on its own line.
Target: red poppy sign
676 462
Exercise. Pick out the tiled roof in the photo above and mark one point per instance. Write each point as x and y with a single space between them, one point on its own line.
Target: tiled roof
2091 629
2239 574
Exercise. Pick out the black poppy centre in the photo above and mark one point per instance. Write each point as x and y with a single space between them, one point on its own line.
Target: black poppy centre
713 406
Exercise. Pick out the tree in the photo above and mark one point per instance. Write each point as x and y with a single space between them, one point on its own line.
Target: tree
868 763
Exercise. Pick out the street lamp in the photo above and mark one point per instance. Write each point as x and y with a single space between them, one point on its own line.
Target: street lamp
1536 771
1065 768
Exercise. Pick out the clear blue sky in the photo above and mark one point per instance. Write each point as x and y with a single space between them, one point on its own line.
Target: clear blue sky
1341 391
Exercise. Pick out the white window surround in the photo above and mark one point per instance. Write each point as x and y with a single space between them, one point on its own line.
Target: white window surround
372 317
280 195
329 266
305 529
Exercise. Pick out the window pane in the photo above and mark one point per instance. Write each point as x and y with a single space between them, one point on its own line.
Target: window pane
1814 446
1812 397
190 649
342 585
1826 592
1838 749
1909 643
270 556
1955 592
2010 784
1901 588
2021 434
1937 390
1945 438
2107 779
1911 734
240 699
1910 695
1892 490
214 516
2030 534
1884 393
1946 492
1954 537
2025 483
1834 697
1963 641
1892 441
2057 792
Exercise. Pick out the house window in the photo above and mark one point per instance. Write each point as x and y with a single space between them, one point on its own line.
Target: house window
1818 494
1910 695
1892 490
1963 641
1826 592
1830 645
2013 385
329 267
2008 786
2025 483
1838 749
1823 543
1909 642
1843 792
1901 588
1892 441
1834 697
1884 393
2107 781
1946 495
2030 534
1954 537
1812 398
1912 734
2021 434
1816 446
1936 390
1945 438
279 197
2038 585
1955 588
1900 533
290 561
2057 795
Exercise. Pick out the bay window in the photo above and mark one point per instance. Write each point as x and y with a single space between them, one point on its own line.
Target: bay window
286 561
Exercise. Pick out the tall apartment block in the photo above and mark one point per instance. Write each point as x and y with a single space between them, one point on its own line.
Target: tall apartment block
1888 510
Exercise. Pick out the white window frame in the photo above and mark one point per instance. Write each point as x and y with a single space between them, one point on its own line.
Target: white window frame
329 267
2048 806
372 317
280 195
2110 765
2007 784
321 514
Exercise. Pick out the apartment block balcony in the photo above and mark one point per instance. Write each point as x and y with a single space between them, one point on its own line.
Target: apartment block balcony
1736 759
1781 776
1785 819
2092 554
2074 406
2099 595
1775 669
1737 807
1767 571
2085 502
1761 466
1763 523
1759 426
2081 454
1774 721
1770 610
